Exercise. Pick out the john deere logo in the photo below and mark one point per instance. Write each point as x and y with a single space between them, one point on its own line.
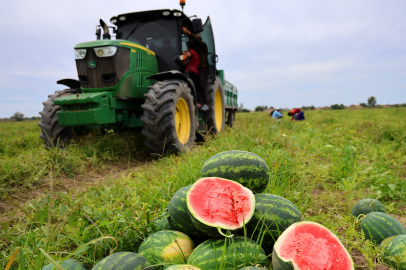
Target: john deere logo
92 64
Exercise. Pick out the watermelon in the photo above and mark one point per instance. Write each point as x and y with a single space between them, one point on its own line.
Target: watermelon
366 206
395 251
238 252
179 214
182 267
243 167
377 226
69 264
274 214
167 246
162 224
124 261
309 245
216 203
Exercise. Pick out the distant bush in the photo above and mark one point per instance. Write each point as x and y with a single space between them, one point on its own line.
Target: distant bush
363 104
245 110
337 107
305 108
259 108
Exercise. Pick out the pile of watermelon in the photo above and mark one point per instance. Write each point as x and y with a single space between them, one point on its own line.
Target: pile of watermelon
382 229
226 221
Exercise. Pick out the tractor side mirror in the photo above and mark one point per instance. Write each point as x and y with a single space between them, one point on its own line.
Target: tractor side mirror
98 33
197 25
214 58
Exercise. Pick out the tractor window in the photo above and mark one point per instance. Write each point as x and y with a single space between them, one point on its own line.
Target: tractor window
185 39
160 36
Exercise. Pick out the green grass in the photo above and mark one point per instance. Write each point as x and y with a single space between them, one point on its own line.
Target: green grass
323 165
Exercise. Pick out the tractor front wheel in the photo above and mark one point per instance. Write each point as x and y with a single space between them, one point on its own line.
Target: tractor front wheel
215 116
169 117
53 134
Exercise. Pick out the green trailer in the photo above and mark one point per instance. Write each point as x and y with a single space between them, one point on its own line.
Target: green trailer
137 81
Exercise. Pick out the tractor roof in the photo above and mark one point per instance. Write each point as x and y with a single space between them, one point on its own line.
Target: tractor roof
158 13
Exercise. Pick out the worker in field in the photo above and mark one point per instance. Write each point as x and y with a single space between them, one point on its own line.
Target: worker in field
203 68
276 114
193 64
297 115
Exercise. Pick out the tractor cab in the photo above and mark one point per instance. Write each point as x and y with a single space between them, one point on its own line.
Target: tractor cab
161 32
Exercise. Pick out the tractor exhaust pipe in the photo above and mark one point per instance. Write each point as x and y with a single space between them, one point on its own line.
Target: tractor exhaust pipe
106 34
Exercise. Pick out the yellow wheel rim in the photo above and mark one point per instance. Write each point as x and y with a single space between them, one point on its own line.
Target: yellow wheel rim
182 121
218 110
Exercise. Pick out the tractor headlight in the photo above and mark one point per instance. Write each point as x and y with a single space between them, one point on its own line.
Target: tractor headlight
105 51
80 53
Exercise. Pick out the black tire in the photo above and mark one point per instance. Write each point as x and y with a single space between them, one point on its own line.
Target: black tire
230 118
209 116
53 134
160 108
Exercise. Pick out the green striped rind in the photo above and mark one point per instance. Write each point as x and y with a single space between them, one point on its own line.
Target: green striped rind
179 214
377 226
243 167
124 261
162 224
206 227
69 264
274 214
167 246
203 228
279 264
364 207
395 251
182 267
238 252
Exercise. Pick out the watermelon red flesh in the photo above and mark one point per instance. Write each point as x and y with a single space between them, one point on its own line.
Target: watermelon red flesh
309 245
221 203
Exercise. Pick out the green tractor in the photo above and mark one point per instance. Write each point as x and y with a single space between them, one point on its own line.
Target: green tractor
137 80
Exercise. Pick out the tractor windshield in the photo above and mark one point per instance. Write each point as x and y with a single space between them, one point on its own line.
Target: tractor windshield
161 36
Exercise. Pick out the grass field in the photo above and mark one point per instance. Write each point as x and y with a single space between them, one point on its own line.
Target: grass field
323 165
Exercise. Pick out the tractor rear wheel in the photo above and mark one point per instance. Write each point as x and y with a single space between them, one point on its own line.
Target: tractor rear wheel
230 118
215 116
53 134
169 117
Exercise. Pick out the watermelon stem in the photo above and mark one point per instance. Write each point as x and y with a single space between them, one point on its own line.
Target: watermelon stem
374 200
220 232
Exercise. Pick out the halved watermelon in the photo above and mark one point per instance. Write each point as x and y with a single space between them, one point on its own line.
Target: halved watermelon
309 245
217 203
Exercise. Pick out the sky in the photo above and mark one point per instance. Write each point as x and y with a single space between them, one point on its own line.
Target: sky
280 53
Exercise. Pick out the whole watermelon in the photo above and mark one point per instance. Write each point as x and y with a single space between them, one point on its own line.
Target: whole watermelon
274 214
168 246
238 252
124 261
69 264
395 251
378 226
162 224
246 168
182 267
366 206
179 214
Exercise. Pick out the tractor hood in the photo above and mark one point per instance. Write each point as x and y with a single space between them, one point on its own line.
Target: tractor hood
116 42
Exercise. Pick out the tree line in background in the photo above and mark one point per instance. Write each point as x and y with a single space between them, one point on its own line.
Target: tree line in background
18 116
